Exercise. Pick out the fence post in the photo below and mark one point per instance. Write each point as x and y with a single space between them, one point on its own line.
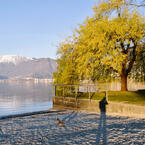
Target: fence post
76 95
76 91
63 91
87 88
106 94
89 94
55 90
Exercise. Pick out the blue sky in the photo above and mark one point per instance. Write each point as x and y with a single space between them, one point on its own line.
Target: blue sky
34 28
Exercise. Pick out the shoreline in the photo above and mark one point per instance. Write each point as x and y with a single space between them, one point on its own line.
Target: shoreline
24 114
79 128
59 108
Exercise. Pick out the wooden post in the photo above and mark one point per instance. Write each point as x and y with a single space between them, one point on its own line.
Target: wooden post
89 94
63 91
70 89
76 95
87 88
55 90
106 94
76 92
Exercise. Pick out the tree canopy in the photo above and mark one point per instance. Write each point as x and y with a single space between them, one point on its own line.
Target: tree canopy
106 45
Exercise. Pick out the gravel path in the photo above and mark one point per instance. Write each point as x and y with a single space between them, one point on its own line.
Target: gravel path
80 128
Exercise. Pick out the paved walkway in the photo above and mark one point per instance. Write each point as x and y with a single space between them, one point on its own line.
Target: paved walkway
80 128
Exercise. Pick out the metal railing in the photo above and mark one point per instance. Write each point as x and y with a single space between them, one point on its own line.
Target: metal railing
63 90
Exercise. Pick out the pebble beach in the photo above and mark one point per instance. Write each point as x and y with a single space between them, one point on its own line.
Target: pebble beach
79 128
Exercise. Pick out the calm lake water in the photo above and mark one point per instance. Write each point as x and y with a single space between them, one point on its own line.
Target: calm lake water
19 97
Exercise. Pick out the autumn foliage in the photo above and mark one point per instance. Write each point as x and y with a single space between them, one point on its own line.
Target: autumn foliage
106 45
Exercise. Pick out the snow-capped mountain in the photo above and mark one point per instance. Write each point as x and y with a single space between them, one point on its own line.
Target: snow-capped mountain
13 66
15 59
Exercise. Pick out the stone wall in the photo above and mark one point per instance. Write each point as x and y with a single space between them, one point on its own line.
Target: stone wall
112 108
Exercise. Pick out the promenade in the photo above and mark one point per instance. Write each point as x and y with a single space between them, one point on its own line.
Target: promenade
79 128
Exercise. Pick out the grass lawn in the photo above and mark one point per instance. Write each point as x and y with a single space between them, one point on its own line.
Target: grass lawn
129 97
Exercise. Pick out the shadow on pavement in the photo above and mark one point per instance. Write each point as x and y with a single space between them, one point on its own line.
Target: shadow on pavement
101 131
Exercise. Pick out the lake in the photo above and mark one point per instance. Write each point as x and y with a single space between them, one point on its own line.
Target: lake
17 97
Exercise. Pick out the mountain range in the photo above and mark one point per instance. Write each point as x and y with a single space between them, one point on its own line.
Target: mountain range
14 66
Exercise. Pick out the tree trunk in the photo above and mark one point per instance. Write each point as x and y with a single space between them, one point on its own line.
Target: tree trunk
126 70
124 81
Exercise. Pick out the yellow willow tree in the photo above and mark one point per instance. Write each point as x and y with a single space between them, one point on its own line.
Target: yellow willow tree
107 42
66 67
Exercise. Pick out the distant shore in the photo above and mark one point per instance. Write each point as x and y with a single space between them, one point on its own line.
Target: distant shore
27 79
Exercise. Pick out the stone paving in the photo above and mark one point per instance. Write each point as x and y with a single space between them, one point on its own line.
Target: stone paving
79 128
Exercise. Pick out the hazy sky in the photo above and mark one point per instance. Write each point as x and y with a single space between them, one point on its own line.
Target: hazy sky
34 28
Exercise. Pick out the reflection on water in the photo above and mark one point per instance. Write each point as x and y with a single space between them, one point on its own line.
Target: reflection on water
24 96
